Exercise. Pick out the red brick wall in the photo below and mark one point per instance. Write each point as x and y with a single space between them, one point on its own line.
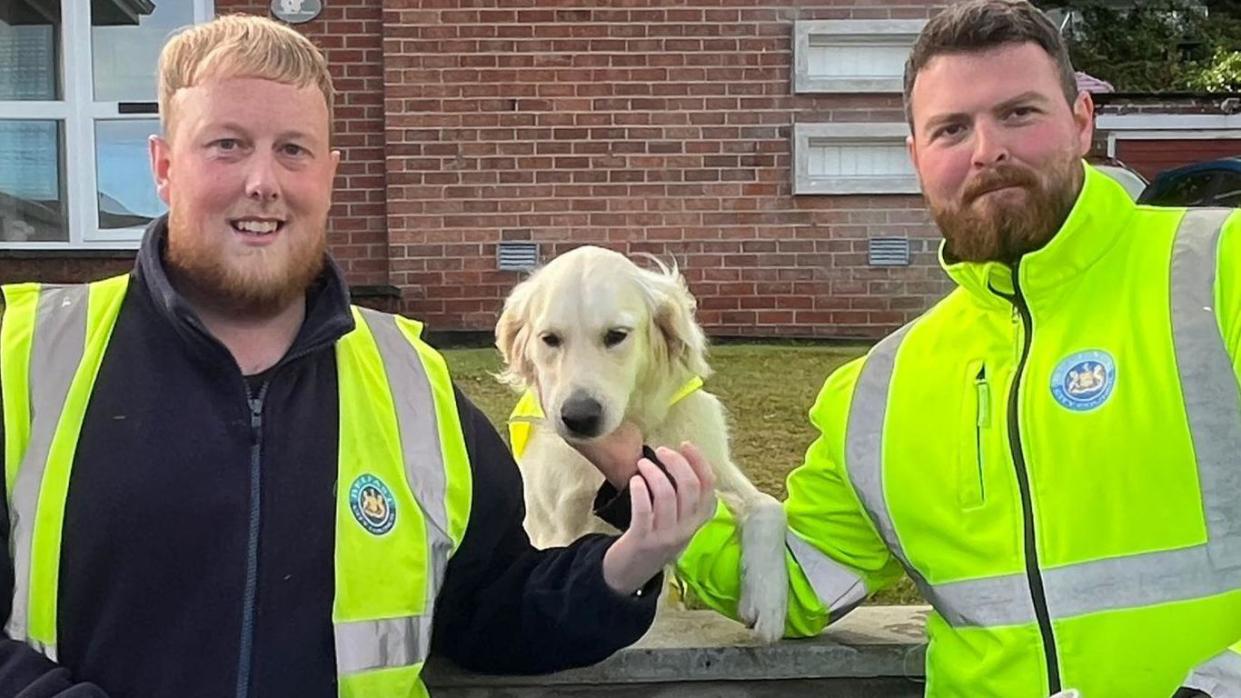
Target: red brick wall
350 34
645 128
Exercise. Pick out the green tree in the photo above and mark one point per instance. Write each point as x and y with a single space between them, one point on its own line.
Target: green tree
1157 45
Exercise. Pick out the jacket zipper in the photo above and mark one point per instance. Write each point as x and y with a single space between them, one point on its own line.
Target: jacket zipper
246 658
1034 575
983 420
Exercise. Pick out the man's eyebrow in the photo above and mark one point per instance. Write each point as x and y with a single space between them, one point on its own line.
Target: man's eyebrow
1024 97
941 119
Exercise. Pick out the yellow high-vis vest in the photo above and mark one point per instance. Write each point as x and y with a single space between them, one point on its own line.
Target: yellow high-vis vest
1053 454
403 498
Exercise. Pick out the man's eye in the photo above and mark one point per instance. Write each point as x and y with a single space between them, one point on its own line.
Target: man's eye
293 149
614 337
551 340
227 144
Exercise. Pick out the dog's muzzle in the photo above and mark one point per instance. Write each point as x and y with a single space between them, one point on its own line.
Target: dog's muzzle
582 416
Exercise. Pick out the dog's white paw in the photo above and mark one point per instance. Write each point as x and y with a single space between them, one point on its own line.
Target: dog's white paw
764 576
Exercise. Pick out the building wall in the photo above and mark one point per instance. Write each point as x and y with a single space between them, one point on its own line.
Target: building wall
645 128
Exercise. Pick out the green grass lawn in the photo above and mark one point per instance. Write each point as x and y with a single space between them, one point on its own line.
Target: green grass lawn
767 388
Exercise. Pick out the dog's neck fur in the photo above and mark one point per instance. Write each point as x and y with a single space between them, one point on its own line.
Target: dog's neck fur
648 406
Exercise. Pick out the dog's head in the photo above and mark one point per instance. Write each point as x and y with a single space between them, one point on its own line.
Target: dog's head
599 338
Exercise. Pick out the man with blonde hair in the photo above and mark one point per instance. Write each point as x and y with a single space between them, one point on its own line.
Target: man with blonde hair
222 479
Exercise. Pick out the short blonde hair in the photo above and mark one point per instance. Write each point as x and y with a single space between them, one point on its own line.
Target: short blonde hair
240 46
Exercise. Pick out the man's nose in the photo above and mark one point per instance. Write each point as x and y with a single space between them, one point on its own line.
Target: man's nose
262 184
990 145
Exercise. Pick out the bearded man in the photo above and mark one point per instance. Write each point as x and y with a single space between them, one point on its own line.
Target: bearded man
1069 533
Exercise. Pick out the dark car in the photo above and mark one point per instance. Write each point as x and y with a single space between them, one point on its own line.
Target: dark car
1213 183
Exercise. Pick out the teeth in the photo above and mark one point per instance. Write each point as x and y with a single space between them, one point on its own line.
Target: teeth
260 227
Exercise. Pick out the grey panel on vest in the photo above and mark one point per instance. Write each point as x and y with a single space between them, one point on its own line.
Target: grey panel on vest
57 347
1220 677
1209 384
864 445
838 587
382 644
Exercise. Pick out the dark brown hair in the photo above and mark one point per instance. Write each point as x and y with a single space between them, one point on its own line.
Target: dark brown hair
982 25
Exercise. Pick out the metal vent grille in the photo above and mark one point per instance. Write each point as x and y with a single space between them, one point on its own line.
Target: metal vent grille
888 252
517 256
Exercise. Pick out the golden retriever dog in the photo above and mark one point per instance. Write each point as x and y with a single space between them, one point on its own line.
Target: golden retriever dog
595 339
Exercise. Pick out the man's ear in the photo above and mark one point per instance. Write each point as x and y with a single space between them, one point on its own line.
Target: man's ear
160 151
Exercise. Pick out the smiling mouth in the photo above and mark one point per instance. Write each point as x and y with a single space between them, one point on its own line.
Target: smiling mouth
256 228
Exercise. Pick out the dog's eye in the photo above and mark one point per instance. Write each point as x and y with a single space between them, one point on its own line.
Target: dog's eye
614 337
551 340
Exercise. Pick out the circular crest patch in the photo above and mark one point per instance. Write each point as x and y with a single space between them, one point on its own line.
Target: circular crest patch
372 504
1083 381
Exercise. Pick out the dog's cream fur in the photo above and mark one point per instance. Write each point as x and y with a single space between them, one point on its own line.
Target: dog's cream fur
555 333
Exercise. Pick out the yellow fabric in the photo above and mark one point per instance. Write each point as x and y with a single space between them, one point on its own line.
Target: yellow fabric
377 576
103 305
398 682
16 334
528 410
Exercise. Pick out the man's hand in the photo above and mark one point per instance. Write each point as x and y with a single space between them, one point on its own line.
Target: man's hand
664 517
615 455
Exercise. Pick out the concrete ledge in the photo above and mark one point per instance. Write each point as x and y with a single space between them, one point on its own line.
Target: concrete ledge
876 650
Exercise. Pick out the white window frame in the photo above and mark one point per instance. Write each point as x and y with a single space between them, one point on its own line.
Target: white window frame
78 114
1158 127
808 136
849 31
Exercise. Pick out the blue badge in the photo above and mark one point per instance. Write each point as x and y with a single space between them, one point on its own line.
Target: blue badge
1084 381
372 504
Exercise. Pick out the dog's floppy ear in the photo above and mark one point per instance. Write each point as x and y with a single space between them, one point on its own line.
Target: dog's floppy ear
672 314
512 335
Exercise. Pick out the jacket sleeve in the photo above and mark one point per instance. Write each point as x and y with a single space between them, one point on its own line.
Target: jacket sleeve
507 607
1228 288
23 671
834 555
1219 677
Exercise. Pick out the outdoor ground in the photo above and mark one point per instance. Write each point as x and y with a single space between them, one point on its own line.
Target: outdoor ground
768 389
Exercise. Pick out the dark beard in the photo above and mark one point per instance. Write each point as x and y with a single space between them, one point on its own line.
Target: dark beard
1003 233
203 277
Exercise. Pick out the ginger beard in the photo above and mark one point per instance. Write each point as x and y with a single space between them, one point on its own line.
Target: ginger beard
995 224
255 282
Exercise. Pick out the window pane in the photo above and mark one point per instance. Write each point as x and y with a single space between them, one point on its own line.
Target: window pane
126 36
32 184
30 49
1189 190
127 197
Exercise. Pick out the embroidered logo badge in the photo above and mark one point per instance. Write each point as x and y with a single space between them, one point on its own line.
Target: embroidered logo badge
1083 381
372 504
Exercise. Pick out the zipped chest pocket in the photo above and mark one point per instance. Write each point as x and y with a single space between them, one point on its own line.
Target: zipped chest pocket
976 425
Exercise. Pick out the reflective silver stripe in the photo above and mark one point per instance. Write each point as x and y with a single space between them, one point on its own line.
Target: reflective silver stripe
415 410
864 447
57 347
381 644
1220 677
365 645
1098 585
1131 581
838 587
1212 403
987 602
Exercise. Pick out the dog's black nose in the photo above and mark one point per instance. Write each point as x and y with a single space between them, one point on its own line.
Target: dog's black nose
582 415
